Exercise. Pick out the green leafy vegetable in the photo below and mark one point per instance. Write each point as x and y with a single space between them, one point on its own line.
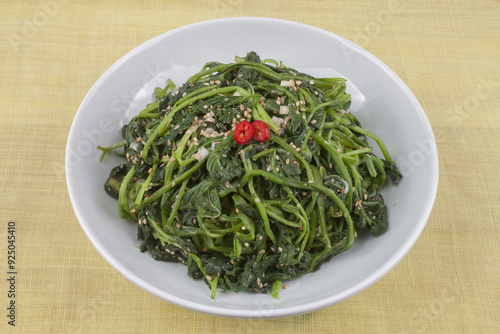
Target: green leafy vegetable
250 216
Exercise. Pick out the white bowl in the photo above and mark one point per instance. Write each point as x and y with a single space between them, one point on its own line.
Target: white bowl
381 101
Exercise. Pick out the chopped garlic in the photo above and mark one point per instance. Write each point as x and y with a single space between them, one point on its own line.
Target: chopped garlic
286 83
202 154
284 110
277 120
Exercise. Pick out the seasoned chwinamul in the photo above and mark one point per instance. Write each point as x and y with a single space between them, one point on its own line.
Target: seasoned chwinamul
249 215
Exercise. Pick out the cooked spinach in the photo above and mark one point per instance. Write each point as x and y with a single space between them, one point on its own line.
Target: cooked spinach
250 216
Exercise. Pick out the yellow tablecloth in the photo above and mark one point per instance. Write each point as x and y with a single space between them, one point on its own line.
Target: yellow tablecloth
447 52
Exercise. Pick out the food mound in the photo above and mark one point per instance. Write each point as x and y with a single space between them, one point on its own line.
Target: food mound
250 173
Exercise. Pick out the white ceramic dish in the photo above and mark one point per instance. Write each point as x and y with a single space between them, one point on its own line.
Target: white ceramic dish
381 101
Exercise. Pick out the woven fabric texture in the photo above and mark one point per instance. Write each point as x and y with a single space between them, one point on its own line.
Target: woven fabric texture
447 52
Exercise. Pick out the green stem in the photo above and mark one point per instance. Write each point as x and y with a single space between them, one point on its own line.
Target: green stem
337 158
105 150
212 281
123 202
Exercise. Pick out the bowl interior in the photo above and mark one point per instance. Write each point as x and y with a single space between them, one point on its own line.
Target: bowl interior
381 101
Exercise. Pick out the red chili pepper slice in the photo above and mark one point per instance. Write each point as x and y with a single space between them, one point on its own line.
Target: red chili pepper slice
261 131
243 132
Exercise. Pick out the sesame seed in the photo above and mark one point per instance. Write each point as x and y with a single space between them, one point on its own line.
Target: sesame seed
285 286
262 251
246 244
280 249
209 278
287 162
257 200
